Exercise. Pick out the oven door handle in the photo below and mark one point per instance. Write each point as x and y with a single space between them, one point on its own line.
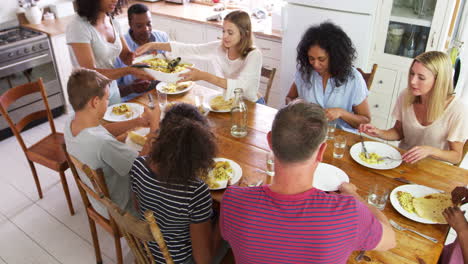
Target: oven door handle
24 61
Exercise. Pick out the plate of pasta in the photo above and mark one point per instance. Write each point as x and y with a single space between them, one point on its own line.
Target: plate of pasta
158 67
174 88
381 156
123 112
223 173
216 103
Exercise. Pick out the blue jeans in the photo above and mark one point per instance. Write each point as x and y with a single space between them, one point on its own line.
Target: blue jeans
261 100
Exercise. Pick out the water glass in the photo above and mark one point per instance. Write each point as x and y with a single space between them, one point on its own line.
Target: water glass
162 100
339 147
378 196
331 130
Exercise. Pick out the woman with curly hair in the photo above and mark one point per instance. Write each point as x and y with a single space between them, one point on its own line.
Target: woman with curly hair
235 60
96 42
167 183
325 76
430 120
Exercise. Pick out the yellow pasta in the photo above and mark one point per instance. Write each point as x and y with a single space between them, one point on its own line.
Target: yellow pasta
373 158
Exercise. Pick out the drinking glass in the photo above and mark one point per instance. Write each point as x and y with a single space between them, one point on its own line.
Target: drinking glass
339 147
378 196
162 100
331 130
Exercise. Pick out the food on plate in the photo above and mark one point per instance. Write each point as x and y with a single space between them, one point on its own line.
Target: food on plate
406 201
175 87
219 104
428 207
137 138
220 173
432 205
373 158
122 109
202 110
159 64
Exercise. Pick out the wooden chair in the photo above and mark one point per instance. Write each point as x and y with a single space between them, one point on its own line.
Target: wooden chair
270 75
47 151
369 77
465 150
97 179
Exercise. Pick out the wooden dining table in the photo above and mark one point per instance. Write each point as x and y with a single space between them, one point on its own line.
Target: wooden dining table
250 153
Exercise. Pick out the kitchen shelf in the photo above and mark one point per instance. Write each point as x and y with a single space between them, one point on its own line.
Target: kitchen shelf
405 15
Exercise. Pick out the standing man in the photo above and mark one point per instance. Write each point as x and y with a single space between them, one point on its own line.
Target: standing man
140 32
290 221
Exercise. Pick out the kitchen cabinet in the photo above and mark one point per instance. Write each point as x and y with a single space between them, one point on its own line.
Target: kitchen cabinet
62 63
405 29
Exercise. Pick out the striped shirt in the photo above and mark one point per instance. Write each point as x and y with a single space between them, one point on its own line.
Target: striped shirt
311 227
174 207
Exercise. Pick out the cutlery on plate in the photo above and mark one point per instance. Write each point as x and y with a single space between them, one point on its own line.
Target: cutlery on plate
400 228
151 101
366 154
388 158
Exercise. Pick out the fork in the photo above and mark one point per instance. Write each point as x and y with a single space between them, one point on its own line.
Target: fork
389 158
400 228
366 154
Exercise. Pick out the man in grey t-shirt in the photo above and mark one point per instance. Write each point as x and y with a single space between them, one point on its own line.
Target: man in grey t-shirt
96 145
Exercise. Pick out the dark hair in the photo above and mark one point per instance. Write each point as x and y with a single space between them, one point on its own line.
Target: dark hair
185 146
85 84
336 43
90 9
242 21
136 9
297 131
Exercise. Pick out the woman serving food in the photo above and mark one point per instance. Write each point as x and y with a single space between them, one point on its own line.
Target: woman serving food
236 62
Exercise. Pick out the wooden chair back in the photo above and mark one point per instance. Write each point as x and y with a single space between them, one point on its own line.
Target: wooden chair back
270 75
12 95
369 77
138 233
465 150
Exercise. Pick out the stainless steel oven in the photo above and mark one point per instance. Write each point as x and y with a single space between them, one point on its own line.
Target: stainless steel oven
25 56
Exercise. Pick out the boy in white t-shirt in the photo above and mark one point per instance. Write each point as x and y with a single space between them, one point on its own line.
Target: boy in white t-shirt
95 144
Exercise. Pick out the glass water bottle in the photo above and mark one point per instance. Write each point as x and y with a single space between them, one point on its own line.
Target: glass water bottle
238 115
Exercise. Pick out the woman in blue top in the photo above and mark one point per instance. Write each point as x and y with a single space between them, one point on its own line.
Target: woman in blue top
325 76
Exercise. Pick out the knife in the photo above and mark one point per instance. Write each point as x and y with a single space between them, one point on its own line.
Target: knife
366 154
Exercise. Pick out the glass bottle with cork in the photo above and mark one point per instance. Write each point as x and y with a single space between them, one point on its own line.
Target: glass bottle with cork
238 115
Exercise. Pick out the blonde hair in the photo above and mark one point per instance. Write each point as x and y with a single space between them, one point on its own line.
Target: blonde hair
83 85
242 21
439 64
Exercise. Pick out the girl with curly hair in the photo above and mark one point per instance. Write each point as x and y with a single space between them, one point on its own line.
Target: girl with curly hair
430 120
167 183
96 42
235 60
325 76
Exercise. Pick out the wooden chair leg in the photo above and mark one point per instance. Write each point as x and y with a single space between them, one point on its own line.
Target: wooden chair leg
97 249
118 249
63 179
36 178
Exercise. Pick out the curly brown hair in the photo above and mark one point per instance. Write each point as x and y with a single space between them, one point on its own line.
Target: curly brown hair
185 146
90 9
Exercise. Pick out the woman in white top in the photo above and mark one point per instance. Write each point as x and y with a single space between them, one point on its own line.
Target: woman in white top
236 61
96 42
430 121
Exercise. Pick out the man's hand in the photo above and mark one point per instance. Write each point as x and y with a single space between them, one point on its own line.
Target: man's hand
139 86
348 189
150 117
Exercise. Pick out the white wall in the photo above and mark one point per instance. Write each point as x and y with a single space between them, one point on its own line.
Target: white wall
9 8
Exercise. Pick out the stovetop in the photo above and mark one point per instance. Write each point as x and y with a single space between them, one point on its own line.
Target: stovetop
18 34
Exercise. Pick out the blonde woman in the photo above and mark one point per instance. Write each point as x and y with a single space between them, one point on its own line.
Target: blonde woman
430 121
236 62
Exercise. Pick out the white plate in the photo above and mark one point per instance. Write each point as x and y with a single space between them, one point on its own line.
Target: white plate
160 86
236 172
207 104
380 149
328 177
142 131
161 76
416 191
137 109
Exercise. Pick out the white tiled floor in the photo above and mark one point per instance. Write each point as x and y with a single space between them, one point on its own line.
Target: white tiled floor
42 231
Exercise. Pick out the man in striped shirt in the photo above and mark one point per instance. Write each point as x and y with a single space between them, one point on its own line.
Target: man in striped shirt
290 221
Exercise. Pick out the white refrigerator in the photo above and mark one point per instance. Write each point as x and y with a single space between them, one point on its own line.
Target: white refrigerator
356 18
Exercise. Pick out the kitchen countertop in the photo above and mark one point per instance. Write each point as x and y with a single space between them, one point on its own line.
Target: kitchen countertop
189 12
